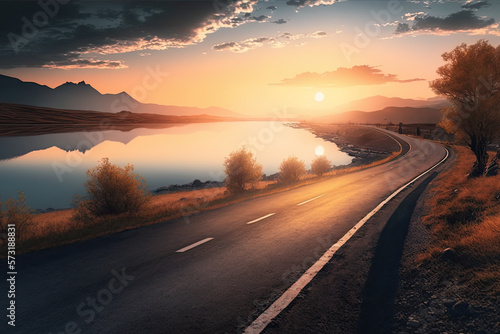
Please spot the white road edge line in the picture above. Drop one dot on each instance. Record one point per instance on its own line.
(397, 141)
(259, 219)
(312, 199)
(196, 244)
(259, 324)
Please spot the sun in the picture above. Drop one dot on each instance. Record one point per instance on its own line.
(319, 96)
(319, 150)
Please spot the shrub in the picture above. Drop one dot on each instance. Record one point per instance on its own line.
(18, 213)
(241, 169)
(112, 190)
(321, 165)
(291, 169)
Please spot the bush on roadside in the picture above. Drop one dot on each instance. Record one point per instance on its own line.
(16, 212)
(112, 190)
(291, 170)
(321, 165)
(241, 169)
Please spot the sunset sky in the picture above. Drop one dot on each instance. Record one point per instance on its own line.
(248, 56)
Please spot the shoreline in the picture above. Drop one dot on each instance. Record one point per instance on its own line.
(349, 139)
(57, 227)
(341, 135)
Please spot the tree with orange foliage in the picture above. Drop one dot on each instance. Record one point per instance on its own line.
(470, 80)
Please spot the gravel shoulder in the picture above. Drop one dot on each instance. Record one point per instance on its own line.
(428, 302)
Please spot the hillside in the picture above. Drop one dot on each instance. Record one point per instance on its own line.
(369, 104)
(82, 96)
(407, 115)
(379, 102)
(18, 119)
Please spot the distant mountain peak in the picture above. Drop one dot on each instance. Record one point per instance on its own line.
(81, 87)
(82, 96)
(124, 94)
(71, 83)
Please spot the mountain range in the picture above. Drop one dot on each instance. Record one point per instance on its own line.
(378, 102)
(82, 96)
(406, 115)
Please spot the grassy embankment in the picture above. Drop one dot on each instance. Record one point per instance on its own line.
(59, 227)
(465, 216)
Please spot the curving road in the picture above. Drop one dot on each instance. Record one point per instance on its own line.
(212, 273)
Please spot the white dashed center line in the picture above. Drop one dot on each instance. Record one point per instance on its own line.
(259, 219)
(312, 199)
(182, 250)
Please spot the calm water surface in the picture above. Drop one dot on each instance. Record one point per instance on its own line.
(50, 169)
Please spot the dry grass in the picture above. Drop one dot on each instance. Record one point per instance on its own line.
(465, 216)
(60, 227)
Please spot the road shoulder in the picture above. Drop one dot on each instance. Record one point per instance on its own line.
(335, 301)
(428, 303)
(355, 291)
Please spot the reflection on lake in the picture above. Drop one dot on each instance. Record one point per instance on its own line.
(50, 169)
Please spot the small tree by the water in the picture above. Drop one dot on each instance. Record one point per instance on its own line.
(242, 170)
(321, 165)
(113, 190)
(291, 170)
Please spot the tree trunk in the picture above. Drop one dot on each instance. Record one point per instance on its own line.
(493, 167)
(479, 167)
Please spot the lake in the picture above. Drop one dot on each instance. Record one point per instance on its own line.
(50, 169)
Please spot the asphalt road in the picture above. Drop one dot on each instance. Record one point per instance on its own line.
(212, 273)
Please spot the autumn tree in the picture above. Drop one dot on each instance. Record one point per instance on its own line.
(241, 169)
(291, 170)
(17, 213)
(470, 80)
(321, 165)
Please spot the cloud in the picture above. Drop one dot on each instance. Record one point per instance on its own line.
(427, 3)
(271, 8)
(86, 63)
(475, 5)
(411, 16)
(319, 34)
(232, 46)
(260, 18)
(464, 20)
(246, 45)
(310, 3)
(402, 28)
(254, 43)
(85, 30)
(343, 77)
(280, 21)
